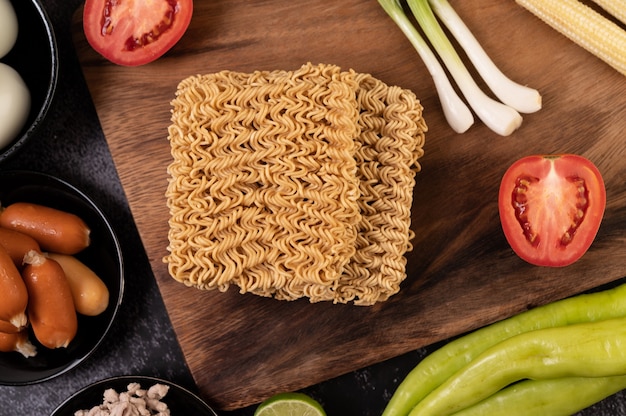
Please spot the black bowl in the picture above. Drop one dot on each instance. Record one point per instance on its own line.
(179, 400)
(35, 57)
(103, 256)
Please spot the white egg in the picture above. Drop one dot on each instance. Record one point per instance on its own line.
(14, 104)
(8, 27)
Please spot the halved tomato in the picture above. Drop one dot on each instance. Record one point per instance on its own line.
(135, 32)
(551, 207)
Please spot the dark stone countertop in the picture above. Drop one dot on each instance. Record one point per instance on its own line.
(71, 146)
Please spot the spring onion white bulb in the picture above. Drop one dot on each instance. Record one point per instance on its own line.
(499, 117)
(457, 114)
(520, 97)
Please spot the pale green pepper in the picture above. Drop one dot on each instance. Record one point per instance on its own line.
(596, 349)
(558, 397)
(444, 362)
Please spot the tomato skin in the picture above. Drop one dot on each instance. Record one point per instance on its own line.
(135, 32)
(551, 207)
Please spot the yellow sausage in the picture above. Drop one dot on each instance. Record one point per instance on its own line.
(54, 230)
(17, 244)
(17, 342)
(13, 292)
(51, 307)
(91, 295)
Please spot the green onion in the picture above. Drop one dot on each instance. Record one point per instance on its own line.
(457, 114)
(521, 98)
(499, 117)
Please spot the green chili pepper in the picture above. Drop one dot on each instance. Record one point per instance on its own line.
(442, 363)
(581, 350)
(559, 397)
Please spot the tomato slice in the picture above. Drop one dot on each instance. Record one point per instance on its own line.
(135, 32)
(551, 207)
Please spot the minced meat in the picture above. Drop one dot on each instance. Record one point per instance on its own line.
(133, 402)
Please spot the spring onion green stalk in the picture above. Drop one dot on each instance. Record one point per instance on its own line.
(499, 117)
(520, 97)
(457, 114)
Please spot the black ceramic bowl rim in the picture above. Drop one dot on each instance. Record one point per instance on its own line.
(68, 407)
(35, 121)
(37, 179)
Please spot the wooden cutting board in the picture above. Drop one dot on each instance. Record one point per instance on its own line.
(461, 273)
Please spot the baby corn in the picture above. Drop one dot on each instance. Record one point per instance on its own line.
(616, 8)
(584, 26)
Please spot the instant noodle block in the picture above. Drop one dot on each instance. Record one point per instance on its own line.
(292, 184)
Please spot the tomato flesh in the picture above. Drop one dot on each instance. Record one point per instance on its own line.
(551, 208)
(135, 32)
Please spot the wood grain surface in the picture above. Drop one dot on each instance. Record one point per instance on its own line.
(461, 273)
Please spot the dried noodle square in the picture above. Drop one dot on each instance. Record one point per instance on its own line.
(263, 189)
(391, 142)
